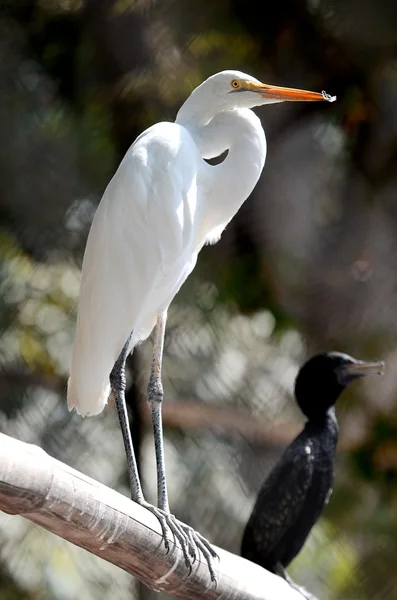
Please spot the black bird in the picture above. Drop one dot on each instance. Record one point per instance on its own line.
(299, 486)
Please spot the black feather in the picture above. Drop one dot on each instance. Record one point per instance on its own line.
(298, 487)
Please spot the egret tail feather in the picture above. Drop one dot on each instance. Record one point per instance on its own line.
(88, 405)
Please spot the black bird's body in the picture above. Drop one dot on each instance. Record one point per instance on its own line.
(299, 486)
(292, 497)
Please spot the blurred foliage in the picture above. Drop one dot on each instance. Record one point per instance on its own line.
(308, 264)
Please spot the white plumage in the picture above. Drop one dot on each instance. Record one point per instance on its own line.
(162, 205)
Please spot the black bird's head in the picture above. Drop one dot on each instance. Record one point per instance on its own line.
(323, 377)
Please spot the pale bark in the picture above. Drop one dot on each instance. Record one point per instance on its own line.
(104, 522)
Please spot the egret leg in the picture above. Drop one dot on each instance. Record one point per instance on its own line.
(279, 570)
(155, 399)
(190, 539)
(117, 380)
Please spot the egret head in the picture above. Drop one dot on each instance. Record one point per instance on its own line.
(322, 379)
(230, 90)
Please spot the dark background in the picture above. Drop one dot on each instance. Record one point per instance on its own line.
(308, 264)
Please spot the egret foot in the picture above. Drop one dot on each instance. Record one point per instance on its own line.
(190, 540)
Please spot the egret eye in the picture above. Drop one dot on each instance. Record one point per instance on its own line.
(235, 84)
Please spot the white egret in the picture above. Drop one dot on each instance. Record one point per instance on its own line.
(162, 205)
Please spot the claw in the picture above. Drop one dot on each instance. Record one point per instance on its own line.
(208, 546)
(163, 526)
(208, 557)
(193, 546)
(191, 541)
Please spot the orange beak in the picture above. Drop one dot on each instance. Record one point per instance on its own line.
(290, 94)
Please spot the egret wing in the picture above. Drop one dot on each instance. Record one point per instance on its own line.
(136, 253)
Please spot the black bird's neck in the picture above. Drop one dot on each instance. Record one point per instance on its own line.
(325, 423)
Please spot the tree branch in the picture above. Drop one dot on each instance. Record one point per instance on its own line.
(104, 522)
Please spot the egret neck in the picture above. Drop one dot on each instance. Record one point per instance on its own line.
(229, 183)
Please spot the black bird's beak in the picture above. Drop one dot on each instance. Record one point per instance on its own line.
(346, 373)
